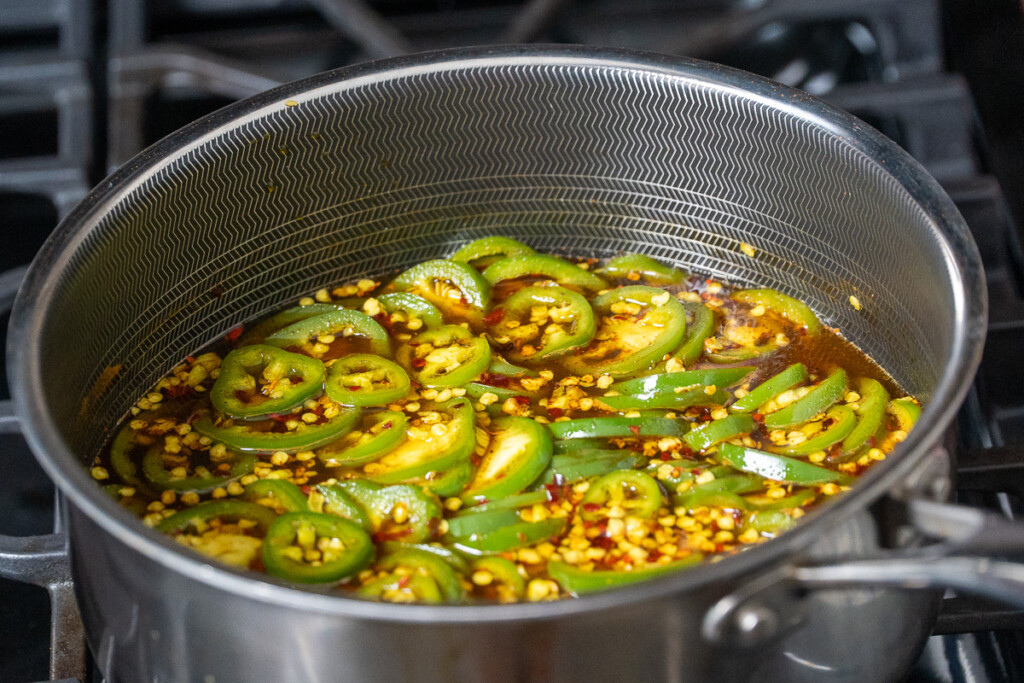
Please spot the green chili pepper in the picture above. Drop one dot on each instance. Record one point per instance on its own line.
(455, 357)
(842, 422)
(506, 581)
(774, 467)
(569, 323)
(769, 521)
(294, 534)
(672, 473)
(827, 392)
(426, 564)
(573, 444)
(796, 500)
(476, 291)
(870, 413)
(259, 380)
(199, 516)
(500, 366)
(791, 309)
(260, 331)
(518, 535)
(670, 381)
(627, 343)
(120, 457)
(433, 451)
(283, 494)
(475, 390)
(334, 323)
(364, 379)
(700, 324)
(572, 467)
(520, 500)
(484, 250)
(770, 388)
(624, 427)
(708, 434)
(448, 483)
(580, 582)
(455, 560)
(906, 411)
(727, 500)
(402, 588)
(412, 306)
(338, 502)
(653, 272)
(722, 491)
(273, 435)
(742, 353)
(551, 267)
(636, 492)
(666, 401)
(519, 450)
(419, 513)
(474, 522)
(384, 431)
(156, 473)
(731, 483)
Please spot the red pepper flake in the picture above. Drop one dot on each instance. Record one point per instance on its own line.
(635, 429)
(758, 417)
(522, 400)
(404, 581)
(591, 507)
(492, 379)
(494, 316)
(387, 425)
(654, 555)
(719, 547)
(555, 412)
(353, 387)
(234, 334)
(666, 456)
(603, 542)
(306, 489)
(419, 362)
(178, 391)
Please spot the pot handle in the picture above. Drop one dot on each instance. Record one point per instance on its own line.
(43, 560)
(972, 557)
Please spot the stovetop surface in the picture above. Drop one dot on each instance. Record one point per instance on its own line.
(945, 80)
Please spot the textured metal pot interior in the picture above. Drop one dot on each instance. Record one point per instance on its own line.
(368, 175)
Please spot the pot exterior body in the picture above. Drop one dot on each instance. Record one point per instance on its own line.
(146, 622)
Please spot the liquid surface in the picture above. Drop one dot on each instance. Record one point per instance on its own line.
(526, 431)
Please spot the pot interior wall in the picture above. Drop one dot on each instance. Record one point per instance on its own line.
(370, 175)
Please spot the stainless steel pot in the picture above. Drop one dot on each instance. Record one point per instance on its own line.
(370, 169)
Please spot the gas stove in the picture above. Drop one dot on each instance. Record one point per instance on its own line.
(85, 84)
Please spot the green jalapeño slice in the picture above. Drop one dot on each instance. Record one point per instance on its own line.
(259, 380)
(310, 547)
(281, 433)
(638, 326)
(541, 323)
(364, 379)
(449, 356)
(327, 329)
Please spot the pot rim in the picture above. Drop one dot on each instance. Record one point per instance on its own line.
(961, 259)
